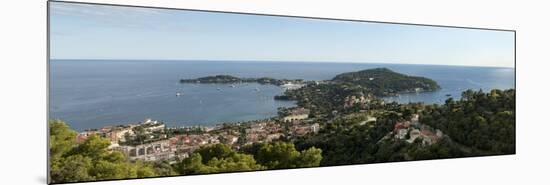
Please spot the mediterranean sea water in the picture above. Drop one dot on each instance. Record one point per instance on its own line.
(95, 93)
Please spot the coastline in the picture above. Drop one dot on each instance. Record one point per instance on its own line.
(164, 94)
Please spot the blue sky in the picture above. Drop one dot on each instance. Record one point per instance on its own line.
(80, 31)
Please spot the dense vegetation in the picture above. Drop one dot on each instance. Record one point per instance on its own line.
(383, 81)
(478, 124)
(221, 158)
(280, 155)
(483, 121)
(90, 160)
(344, 141)
(228, 79)
(321, 99)
(215, 159)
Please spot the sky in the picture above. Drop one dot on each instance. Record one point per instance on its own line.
(83, 31)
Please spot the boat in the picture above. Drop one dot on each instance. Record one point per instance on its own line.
(232, 86)
(178, 94)
(448, 95)
(218, 89)
(257, 89)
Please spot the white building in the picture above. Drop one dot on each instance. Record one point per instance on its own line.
(315, 128)
(297, 114)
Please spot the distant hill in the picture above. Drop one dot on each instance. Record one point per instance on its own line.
(228, 79)
(214, 79)
(386, 80)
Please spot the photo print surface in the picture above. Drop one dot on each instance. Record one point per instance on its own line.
(141, 92)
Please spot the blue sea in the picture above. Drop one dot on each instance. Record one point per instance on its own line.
(95, 93)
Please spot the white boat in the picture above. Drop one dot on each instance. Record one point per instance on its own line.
(178, 94)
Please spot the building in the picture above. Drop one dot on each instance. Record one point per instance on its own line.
(297, 114)
(401, 133)
(155, 127)
(292, 86)
(118, 135)
(83, 136)
(315, 128)
(160, 150)
(413, 134)
(272, 137)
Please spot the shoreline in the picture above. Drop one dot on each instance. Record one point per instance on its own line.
(217, 124)
(76, 114)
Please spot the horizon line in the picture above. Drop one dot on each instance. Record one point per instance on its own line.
(289, 61)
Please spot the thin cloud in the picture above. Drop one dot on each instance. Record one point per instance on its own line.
(116, 16)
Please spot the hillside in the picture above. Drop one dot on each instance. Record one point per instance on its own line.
(228, 79)
(387, 81)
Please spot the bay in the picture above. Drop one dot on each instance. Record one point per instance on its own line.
(95, 93)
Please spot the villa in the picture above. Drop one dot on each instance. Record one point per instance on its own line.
(297, 114)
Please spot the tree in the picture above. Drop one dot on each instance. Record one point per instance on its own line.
(94, 147)
(62, 138)
(233, 163)
(145, 170)
(309, 158)
(140, 133)
(278, 155)
(217, 150)
(163, 168)
(482, 121)
(72, 169)
(103, 169)
(89, 160)
(284, 155)
(191, 165)
(219, 158)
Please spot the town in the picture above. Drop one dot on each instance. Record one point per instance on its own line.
(152, 140)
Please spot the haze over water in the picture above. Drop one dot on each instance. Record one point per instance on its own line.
(96, 93)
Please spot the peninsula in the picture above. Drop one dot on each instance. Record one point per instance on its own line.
(323, 97)
(381, 80)
(228, 79)
(386, 80)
